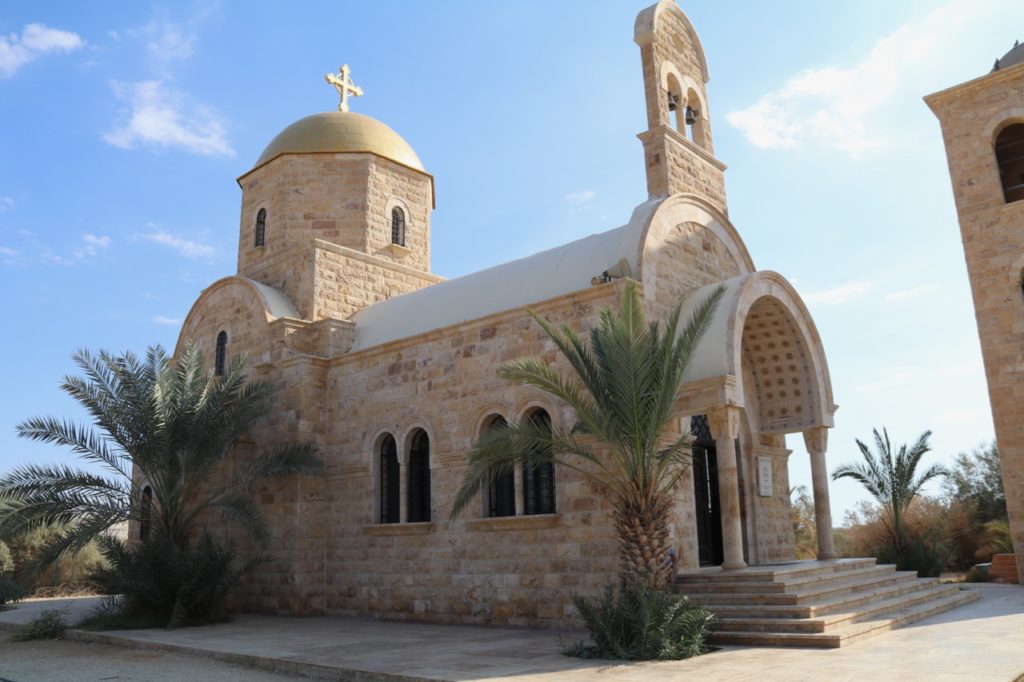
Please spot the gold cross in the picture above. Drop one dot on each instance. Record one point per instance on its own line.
(344, 86)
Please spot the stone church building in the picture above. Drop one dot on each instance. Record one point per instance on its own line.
(393, 369)
(983, 130)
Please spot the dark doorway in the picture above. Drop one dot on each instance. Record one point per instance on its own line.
(705, 488)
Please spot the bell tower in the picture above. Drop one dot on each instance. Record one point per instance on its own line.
(983, 129)
(678, 147)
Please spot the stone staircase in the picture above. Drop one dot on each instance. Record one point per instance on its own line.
(823, 604)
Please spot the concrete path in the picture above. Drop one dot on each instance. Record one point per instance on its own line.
(981, 641)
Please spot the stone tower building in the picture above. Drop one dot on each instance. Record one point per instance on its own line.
(983, 130)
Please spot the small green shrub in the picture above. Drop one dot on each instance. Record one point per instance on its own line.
(10, 591)
(171, 585)
(49, 624)
(978, 574)
(634, 622)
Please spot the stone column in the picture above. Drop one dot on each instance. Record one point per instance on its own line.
(403, 488)
(725, 424)
(518, 489)
(816, 440)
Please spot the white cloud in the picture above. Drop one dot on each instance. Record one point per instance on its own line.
(842, 107)
(160, 319)
(185, 247)
(5, 251)
(91, 246)
(162, 117)
(579, 197)
(837, 295)
(165, 41)
(35, 40)
(6, 204)
(913, 292)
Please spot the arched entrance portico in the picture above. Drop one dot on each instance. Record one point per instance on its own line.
(760, 374)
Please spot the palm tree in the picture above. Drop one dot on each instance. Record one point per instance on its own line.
(623, 390)
(168, 423)
(892, 482)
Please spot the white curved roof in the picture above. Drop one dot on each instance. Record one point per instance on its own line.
(277, 303)
(508, 286)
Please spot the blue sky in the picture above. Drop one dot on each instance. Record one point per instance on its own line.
(124, 126)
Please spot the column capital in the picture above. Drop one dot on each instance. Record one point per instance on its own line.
(816, 439)
(725, 421)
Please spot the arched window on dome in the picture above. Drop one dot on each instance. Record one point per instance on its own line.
(221, 355)
(1010, 157)
(418, 507)
(261, 227)
(501, 493)
(398, 226)
(389, 483)
(539, 481)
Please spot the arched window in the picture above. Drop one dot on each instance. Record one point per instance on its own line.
(389, 490)
(220, 357)
(1010, 157)
(145, 511)
(501, 493)
(676, 104)
(539, 481)
(261, 227)
(419, 478)
(398, 226)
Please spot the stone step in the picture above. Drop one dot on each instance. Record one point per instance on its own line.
(784, 583)
(809, 595)
(830, 622)
(838, 603)
(850, 631)
(772, 572)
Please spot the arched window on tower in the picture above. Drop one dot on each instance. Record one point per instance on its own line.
(145, 513)
(1010, 157)
(389, 483)
(539, 481)
(419, 478)
(398, 226)
(221, 356)
(676, 104)
(501, 493)
(261, 227)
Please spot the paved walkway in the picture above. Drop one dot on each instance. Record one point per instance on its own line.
(981, 641)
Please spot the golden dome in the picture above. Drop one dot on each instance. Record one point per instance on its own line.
(341, 131)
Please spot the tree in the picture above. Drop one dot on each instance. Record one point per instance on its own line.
(170, 424)
(805, 523)
(623, 389)
(893, 482)
(976, 478)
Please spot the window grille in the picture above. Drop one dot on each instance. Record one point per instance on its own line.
(398, 226)
(700, 429)
(261, 227)
(389, 483)
(220, 357)
(419, 478)
(501, 493)
(539, 481)
(1010, 157)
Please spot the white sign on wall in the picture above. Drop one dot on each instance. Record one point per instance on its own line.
(764, 476)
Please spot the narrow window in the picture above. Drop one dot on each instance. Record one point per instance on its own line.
(220, 357)
(539, 481)
(145, 512)
(389, 495)
(1010, 157)
(676, 105)
(501, 493)
(419, 478)
(261, 227)
(398, 226)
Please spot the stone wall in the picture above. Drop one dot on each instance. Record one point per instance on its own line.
(972, 114)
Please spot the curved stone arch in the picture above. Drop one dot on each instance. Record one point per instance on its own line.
(532, 401)
(999, 122)
(685, 208)
(1016, 276)
(371, 444)
(720, 353)
(265, 302)
(484, 412)
(646, 26)
(405, 441)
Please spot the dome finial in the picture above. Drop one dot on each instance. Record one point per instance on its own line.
(344, 86)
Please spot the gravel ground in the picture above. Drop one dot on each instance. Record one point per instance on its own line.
(63, 661)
